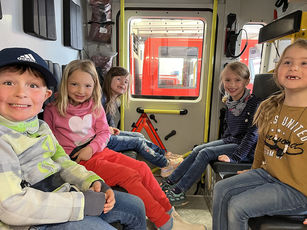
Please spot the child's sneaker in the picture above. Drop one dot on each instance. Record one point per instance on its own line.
(172, 165)
(176, 199)
(164, 185)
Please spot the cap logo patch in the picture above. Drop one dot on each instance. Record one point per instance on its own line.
(26, 57)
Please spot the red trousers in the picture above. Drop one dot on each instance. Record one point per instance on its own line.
(134, 176)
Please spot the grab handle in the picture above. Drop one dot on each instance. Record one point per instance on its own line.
(172, 133)
(165, 111)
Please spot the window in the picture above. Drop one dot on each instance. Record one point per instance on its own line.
(184, 62)
(252, 55)
(165, 57)
(276, 49)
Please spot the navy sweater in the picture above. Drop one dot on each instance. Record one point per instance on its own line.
(110, 119)
(241, 131)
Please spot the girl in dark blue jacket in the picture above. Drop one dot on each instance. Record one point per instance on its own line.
(236, 145)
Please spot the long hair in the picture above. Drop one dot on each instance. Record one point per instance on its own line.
(111, 102)
(270, 106)
(87, 66)
(239, 69)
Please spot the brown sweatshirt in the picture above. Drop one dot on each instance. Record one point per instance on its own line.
(289, 165)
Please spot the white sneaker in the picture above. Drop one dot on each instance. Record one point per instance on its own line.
(170, 155)
(172, 165)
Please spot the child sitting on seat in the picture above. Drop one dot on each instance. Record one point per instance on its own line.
(115, 84)
(40, 185)
(78, 121)
(237, 144)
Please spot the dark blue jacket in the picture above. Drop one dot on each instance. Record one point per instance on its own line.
(241, 131)
(110, 119)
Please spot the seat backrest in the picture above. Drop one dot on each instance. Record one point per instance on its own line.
(264, 86)
(57, 72)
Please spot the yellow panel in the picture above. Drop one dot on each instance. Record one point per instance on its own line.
(303, 30)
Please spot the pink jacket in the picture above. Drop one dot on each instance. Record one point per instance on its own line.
(78, 126)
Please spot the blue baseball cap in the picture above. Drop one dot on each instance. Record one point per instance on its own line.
(16, 55)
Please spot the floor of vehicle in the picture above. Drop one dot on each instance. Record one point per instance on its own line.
(196, 211)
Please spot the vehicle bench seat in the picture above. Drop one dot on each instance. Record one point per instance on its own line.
(277, 223)
(56, 70)
(228, 167)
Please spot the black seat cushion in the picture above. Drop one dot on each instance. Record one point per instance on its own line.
(277, 223)
(226, 167)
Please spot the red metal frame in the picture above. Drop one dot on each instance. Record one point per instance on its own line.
(144, 123)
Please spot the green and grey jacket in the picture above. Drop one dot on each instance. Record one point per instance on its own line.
(30, 153)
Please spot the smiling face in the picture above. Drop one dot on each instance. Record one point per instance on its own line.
(21, 95)
(292, 71)
(233, 84)
(80, 87)
(119, 85)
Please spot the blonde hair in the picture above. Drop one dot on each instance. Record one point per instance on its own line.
(268, 107)
(239, 69)
(62, 99)
(111, 102)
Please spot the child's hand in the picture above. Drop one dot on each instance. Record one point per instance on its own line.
(242, 171)
(110, 201)
(84, 154)
(96, 186)
(224, 158)
(116, 131)
(111, 130)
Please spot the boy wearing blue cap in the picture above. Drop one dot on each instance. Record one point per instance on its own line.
(40, 185)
